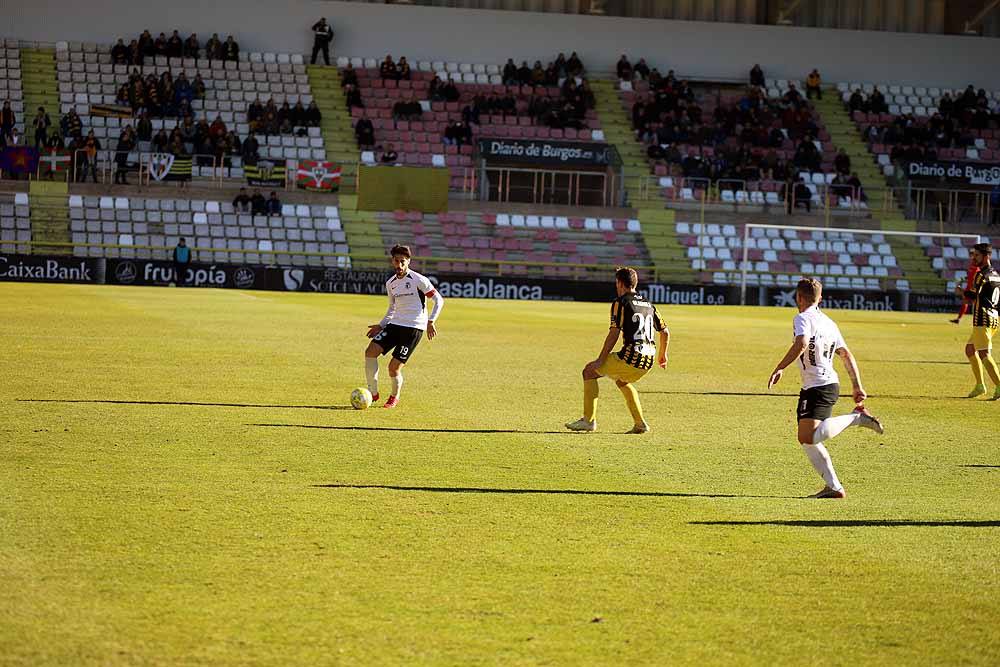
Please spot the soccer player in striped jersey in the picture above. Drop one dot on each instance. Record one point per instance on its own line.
(984, 296)
(816, 338)
(404, 323)
(633, 317)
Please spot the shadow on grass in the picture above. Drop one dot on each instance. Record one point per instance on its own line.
(403, 429)
(855, 523)
(771, 394)
(978, 465)
(559, 492)
(190, 403)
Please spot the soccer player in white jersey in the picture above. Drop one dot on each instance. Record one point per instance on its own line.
(816, 339)
(403, 325)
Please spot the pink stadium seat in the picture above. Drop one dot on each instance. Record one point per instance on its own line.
(576, 223)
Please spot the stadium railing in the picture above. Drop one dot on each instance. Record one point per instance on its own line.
(498, 183)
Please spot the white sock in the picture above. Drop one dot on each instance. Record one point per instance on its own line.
(833, 426)
(820, 460)
(397, 384)
(371, 372)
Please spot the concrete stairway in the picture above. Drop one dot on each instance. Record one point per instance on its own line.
(364, 238)
(915, 264)
(338, 135)
(41, 88)
(658, 225)
(50, 218)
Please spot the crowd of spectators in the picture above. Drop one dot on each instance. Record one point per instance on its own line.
(953, 124)
(268, 118)
(256, 204)
(743, 138)
(144, 48)
(551, 75)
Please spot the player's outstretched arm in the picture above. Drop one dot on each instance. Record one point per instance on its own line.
(852, 370)
(794, 352)
(435, 312)
(664, 344)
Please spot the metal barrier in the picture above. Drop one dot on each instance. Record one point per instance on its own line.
(545, 186)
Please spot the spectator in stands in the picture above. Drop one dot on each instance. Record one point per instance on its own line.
(471, 112)
(241, 203)
(119, 53)
(389, 155)
(857, 102)
(166, 94)
(813, 85)
(147, 47)
(312, 116)
(624, 68)
(757, 76)
(353, 97)
(524, 74)
(7, 122)
(41, 125)
(284, 116)
(126, 144)
(255, 112)
(202, 137)
(450, 91)
(143, 132)
(198, 87)
(435, 89)
(90, 147)
(183, 90)
(842, 163)
(160, 45)
(807, 157)
(408, 110)
(192, 47)
(387, 70)
(274, 204)
(230, 49)
(213, 47)
(217, 130)
(250, 149)
(322, 36)
(509, 75)
(574, 66)
(348, 76)
(876, 102)
(364, 131)
(857, 189)
(458, 133)
(298, 116)
(182, 260)
(792, 195)
(403, 70)
(641, 69)
(258, 205)
(161, 141)
(175, 46)
(71, 125)
(133, 56)
(122, 97)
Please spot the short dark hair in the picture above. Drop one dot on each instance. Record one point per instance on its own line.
(810, 289)
(983, 249)
(627, 276)
(401, 250)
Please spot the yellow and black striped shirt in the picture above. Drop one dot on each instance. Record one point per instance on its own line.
(985, 296)
(637, 319)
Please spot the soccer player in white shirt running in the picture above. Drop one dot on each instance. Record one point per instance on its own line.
(817, 338)
(403, 325)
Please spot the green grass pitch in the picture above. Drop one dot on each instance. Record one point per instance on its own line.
(182, 483)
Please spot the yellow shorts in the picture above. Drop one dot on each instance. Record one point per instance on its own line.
(982, 338)
(616, 369)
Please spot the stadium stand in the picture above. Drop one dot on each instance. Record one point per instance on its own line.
(475, 242)
(15, 223)
(11, 88)
(87, 78)
(214, 228)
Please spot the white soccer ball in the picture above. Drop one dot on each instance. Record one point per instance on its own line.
(361, 398)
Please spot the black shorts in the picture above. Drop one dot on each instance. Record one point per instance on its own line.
(818, 402)
(400, 340)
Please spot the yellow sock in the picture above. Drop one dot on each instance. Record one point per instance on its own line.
(632, 400)
(977, 368)
(590, 392)
(991, 368)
